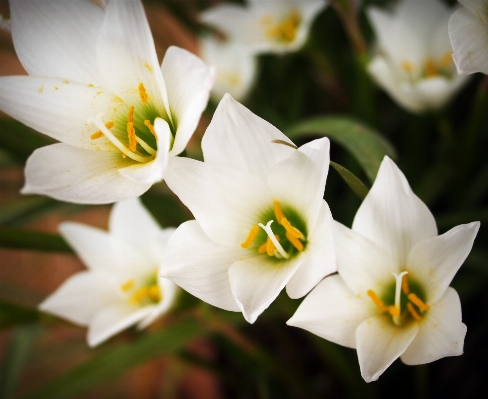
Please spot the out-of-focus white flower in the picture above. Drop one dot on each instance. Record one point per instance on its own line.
(391, 297)
(121, 286)
(261, 221)
(414, 57)
(235, 67)
(95, 85)
(266, 26)
(5, 24)
(468, 31)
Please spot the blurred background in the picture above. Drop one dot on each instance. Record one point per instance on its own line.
(443, 155)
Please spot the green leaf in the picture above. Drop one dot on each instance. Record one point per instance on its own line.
(352, 181)
(11, 315)
(366, 145)
(113, 362)
(11, 237)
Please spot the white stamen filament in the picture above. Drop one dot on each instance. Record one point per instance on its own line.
(146, 146)
(97, 121)
(398, 291)
(273, 239)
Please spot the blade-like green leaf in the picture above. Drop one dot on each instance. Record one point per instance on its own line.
(352, 181)
(366, 145)
(115, 361)
(11, 315)
(11, 237)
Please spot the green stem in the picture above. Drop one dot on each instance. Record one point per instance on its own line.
(34, 240)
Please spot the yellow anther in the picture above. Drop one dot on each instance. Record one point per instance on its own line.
(262, 248)
(286, 29)
(142, 93)
(278, 212)
(376, 300)
(127, 285)
(430, 68)
(294, 241)
(407, 66)
(99, 133)
(405, 287)
(131, 132)
(151, 128)
(413, 312)
(394, 311)
(270, 248)
(130, 115)
(293, 231)
(251, 237)
(154, 293)
(417, 301)
(446, 60)
(139, 295)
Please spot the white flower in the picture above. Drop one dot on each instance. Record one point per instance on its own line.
(5, 24)
(235, 67)
(95, 85)
(391, 297)
(468, 31)
(121, 286)
(266, 26)
(261, 221)
(414, 61)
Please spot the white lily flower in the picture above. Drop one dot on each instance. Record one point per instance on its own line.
(266, 26)
(261, 221)
(391, 297)
(121, 286)
(235, 67)
(468, 31)
(414, 60)
(95, 85)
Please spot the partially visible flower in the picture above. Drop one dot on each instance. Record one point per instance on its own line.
(235, 67)
(5, 24)
(95, 85)
(468, 31)
(391, 297)
(266, 26)
(122, 286)
(414, 57)
(261, 221)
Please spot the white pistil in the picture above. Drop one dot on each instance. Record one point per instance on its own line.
(273, 239)
(146, 146)
(97, 121)
(398, 291)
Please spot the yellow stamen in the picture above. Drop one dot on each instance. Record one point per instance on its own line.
(270, 248)
(151, 128)
(446, 60)
(154, 293)
(295, 241)
(138, 295)
(376, 299)
(278, 212)
(407, 66)
(251, 237)
(417, 301)
(142, 93)
(413, 312)
(130, 116)
(293, 231)
(262, 248)
(394, 311)
(127, 285)
(131, 131)
(405, 287)
(99, 133)
(430, 68)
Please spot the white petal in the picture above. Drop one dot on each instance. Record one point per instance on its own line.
(112, 320)
(257, 281)
(379, 343)
(80, 297)
(392, 216)
(225, 201)
(153, 171)
(237, 137)
(469, 34)
(361, 263)
(169, 292)
(331, 311)
(231, 19)
(441, 332)
(188, 82)
(59, 108)
(126, 53)
(436, 260)
(299, 180)
(77, 175)
(54, 38)
(319, 258)
(200, 266)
